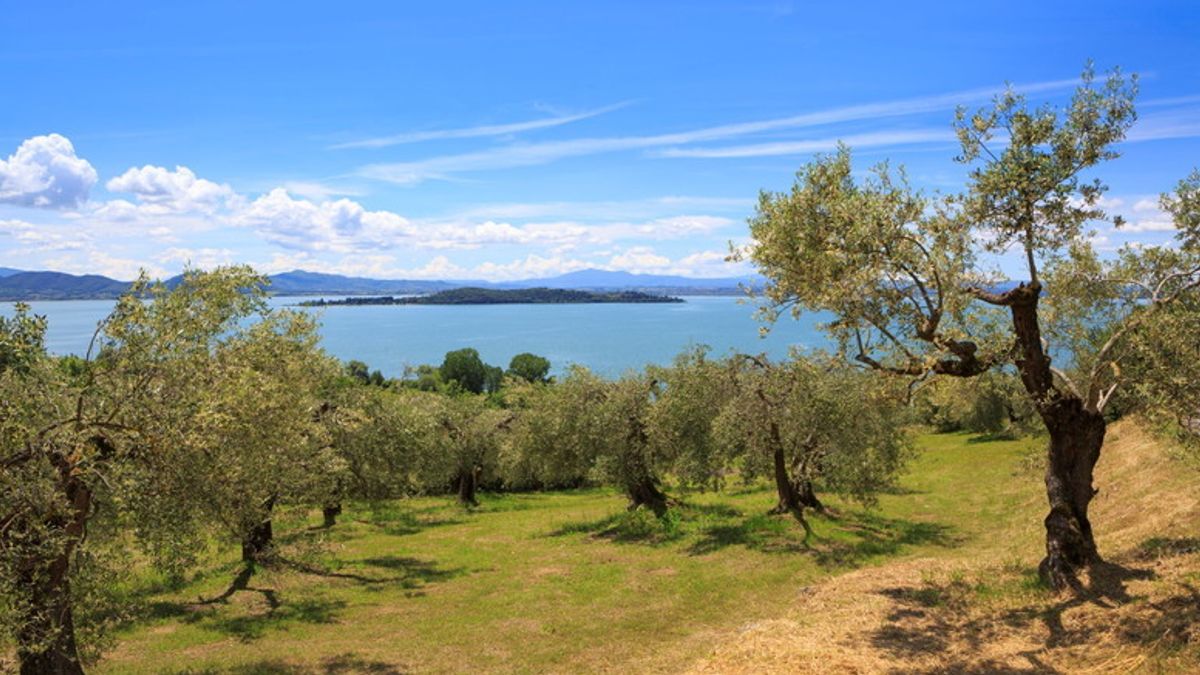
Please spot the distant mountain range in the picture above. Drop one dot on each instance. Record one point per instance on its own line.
(18, 285)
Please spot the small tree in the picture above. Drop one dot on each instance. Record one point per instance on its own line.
(689, 395)
(529, 367)
(803, 421)
(558, 433)
(466, 448)
(902, 275)
(464, 368)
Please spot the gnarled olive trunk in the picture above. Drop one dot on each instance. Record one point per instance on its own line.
(1076, 436)
(645, 492)
(468, 482)
(46, 637)
(803, 488)
(330, 512)
(790, 499)
(258, 542)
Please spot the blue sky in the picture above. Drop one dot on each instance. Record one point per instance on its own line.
(519, 139)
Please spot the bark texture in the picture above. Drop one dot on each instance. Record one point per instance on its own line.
(1076, 436)
(331, 513)
(46, 642)
(645, 492)
(468, 483)
(258, 542)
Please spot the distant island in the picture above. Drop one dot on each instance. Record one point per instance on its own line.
(492, 296)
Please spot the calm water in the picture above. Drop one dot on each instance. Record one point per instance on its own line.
(608, 338)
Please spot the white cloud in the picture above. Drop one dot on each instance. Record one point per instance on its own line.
(1146, 204)
(203, 258)
(640, 259)
(317, 190)
(37, 239)
(1150, 225)
(45, 172)
(178, 191)
(339, 226)
(628, 210)
(104, 263)
(474, 132)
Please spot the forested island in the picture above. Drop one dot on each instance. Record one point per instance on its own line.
(491, 296)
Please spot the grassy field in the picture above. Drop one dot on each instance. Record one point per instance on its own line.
(570, 582)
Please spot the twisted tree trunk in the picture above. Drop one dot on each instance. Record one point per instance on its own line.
(645, 492)
(330, 513)
(257, 544)
(46, 638)
(1076, 436)
(468, 480)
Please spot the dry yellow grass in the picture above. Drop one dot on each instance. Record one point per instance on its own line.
(1140, 612)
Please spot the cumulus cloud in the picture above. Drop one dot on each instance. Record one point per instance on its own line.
(175, 191)
(339, 226)
(45, 172)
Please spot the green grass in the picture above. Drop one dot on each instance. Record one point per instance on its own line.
(564, 581)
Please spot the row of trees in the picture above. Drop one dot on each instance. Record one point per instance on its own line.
(198, 415)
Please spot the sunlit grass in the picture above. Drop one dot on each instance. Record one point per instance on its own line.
(561, 581)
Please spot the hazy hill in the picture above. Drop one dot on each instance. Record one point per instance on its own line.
(58, 286)
(19, 285)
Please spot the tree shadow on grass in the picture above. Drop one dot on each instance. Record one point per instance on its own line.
(626, 527)
(936, 619)
(252, 627)
(404, 572)
(408, 574)
(864, 535)
(334, 665)
(761, 532)
(861, 536)
(642, 526)
(399, 522)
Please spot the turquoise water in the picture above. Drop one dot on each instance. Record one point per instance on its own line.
(608, 338)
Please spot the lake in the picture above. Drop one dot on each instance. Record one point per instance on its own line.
(608, 338)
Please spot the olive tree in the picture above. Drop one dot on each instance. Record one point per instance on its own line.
(465, 450)
(95, 451)
(907, 278)
(557, 434)
(261, 439)
(587, 426)
(688, 397)
(800, 421)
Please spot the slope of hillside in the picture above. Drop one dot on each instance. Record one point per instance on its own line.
(980, 608)
(58, 286)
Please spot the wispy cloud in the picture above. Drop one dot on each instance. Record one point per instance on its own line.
(529, 154)
(474, 132)
(882, 138)
(1181, 122)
